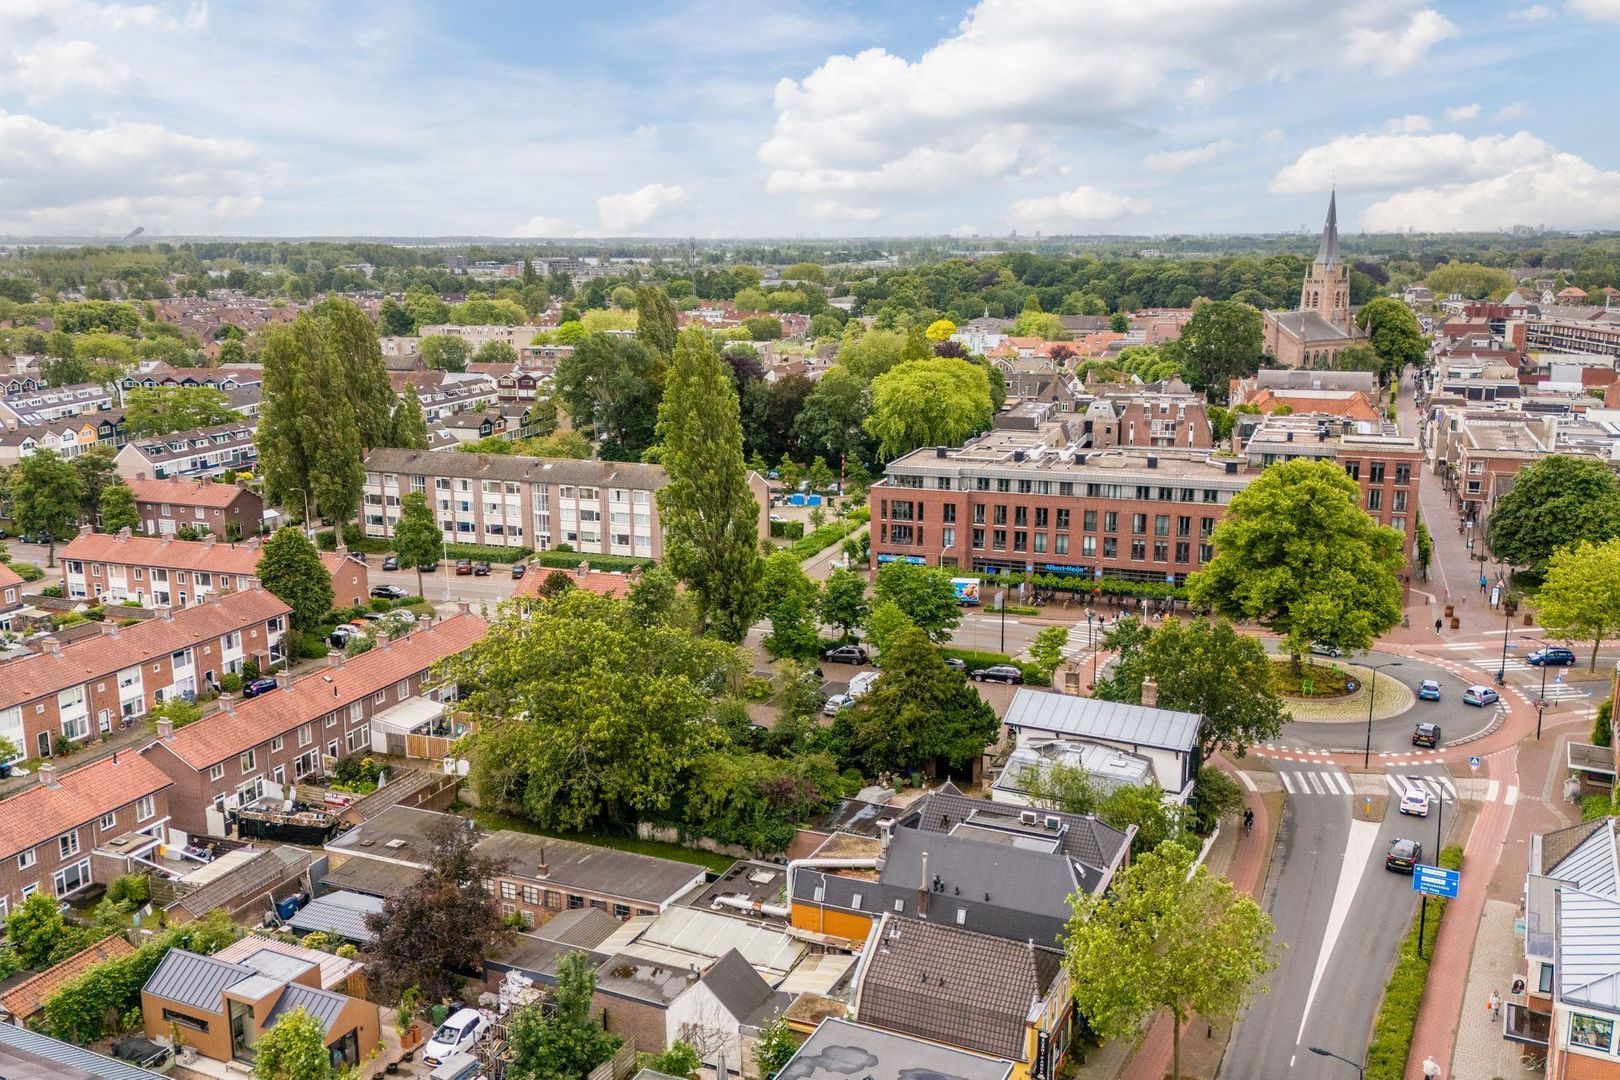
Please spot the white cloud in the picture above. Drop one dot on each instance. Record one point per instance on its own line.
(880, 129)
(544, 226)
(631, 210)
(1084, 205)
(1606, 10)
(1459, 113)
(1533, 13)
(125, 174)
(50, 68)
(1516, 111)
(1389, 162)
(1176, 160)
(1410, 124)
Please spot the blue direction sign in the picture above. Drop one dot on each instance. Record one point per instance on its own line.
(1473, 762)
(1436, 881)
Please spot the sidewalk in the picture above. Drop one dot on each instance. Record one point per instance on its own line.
(1498, 957)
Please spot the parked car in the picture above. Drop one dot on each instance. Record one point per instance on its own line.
(1403, 855)
(846, 654)
(1552, 656)
(955, 663)
(836, 704)
(387, 592)
(357, 555)
(391, 562)
(463, 567)
(1426, 735)
(428, 568)
(1429, 690)
(1415, 803)
(341, 635)
(1322, 648)
(518, 570)
(255, 687)
(460, 1032)
(481, 568)
(1004, 673)
(1481, 696)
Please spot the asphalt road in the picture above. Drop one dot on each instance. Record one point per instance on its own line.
(1339, 917)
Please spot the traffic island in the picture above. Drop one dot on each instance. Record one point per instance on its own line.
(1396, 1021)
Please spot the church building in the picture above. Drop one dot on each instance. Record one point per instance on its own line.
(1312, 336)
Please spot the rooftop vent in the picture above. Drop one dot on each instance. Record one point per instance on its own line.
(1152, 462)
(1231, 468)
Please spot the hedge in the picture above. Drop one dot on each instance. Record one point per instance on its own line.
(787, 530)
(1397, 1013)
(27, 571)
(481, 553)
(823, 538)
(1079, 583)
(1033, 675)
(569, 560)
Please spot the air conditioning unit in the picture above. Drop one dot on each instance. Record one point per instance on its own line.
(1027, 817)
(1054, 822)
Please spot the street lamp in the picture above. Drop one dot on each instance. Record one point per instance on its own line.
(1091, 643)
(1372, 690)
(1541, 701)
(1507, 622)
(1361, 1072)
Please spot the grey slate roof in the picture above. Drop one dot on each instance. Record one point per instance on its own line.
(324, 1005)
(28, 1055)
(1309, 326)
(537, 957)
(841, 1050)
(581, 928)
(1584, 853)
(737, 985)
(625, 474)
(954, 986)
(640, 979)
(1327, 252)
(372, 877)
(1588, 950)
(340, 913)
(593, 869)
(195, 980)
(258, 874)
(1092, 842)
(1107, 721)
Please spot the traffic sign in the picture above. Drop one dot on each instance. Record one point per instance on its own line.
(1473, 762)
(1436, 881)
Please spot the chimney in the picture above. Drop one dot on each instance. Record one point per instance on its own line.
(463, 607)
(47, 775)
(383, 640)
(165, 729)
(542, 867)
(1150, 692)
(208, 539)
(582, 569)
(124, 533)
(168, 614)
(140, 476)
(337, 659)
(53, 646)
(922, 889)
(109, 629)
(164, 542)
(885, 831)
(229, 704)
(84, 530)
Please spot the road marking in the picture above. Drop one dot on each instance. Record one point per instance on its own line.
(1288, 781)
(1357, 847)
(1512, 795)
(1248, 781)
(1491, 788)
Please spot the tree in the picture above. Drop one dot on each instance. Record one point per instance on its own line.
(919, 711)
(1298, 553)
(1471, 281)
(940, 330)
(96, 471)
(757, 800)
(832, 421)
(45, 493)
(1394, 333)
(38, 934)
(872, 353)
(1359, 357)
(1220, 342)
(883, 623)
(709, 515)
(163, 410)
(569, 1043)
(843, 600)
(1143, 811)
(775, 1047)
(232, 352)
(443, 922)
(445, 352)
(417, 539)
(1555, 501)
(928, 403)
(69, 370)
(1162, 939)
(1060, 786)
(610, 384)
(1580, 598)
(679, 1060)
(118, 509)
(655, 598)
(923, 593)
(293, 1048)
(591, 709)
(789, 601)
(291, 568)
(1119, 323)
(408, 427)
(496, 352)
(1047, 649)
(393, 320)
(656, 324)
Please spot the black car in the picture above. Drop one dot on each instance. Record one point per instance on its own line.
(255, 687)
(998, 673)
(481, 569)
(846, 654)
(391, 562)
(1403, 855)
(387, 592)
(1426, 735)
(1552, 656)
(518, 570)
(428, 568)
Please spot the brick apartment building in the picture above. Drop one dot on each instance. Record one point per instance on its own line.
(253, 748)
(200, 452)
(166, 505)
(82, 690)
(92, 824)
(597, 507)
(160, 571)
(11, 593)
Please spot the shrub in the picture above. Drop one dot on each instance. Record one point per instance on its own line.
(1602, 724)
(29, 572)
(568, 560)
(54, 591)
(135, 889)
(482, 553)
(230, 682)
(825, 537)
(789, 530)
(1397, 1015)
(311, 645)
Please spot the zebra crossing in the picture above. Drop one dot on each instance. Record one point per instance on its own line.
(1435, 787)
(1335, 781)
(1316, 782)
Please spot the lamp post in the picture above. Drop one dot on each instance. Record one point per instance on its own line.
(1091, 643)
(1372, 690)
(1507, 622)
(1541, 699)
(1360, 1071)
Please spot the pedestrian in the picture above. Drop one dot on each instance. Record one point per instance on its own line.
(1494, 1005)
(1437, 626)
(1431, 1069)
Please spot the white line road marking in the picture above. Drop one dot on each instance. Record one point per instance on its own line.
(1248, 781)
(1357, 847)
(1512, 795)
(1288, 781)
(1491, 788)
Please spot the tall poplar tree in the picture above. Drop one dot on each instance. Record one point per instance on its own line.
(710, 518)
(656, 325)
(409, 428)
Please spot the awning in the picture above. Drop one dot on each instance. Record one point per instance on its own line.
(405, 717)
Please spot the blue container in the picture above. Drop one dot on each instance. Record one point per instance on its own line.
(812, 500)
(795, 499)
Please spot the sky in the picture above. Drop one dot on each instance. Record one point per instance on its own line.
(803, 118)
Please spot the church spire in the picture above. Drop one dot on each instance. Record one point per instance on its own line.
(1328, 253)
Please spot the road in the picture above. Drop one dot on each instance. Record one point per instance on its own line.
(1339, 918)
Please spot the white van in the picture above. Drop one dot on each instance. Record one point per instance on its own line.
(861, 682)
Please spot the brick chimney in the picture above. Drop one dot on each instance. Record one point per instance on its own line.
(583, 569)
(228, 704)
(124, 534)
(464, 607)
(164, 542)
(165, 730)
(383, 640)
(208, 539)
(110, 629)
(84, 530)
(140, 476)
(1150, 692)
(47, 775)
(52, 646)
(922, 890)
(542, 867)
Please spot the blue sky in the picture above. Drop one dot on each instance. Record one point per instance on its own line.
(835, 118)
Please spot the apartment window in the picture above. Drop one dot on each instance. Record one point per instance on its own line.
(1088, 545)
(1183, 551)
(947, 513)
(1403, 474)
(1354, 469)
(947, 538)
(1001, 515)
(305, 735)
(1398, 523)
(1375, 472)
(1060, 544)
(1020, 540)
(1110, 547)
(379, 697)
(1041, 515)
(108, 822)
(509, 890)
(1183, 526)
(247, 761)
(978, 514)
(1003, 485)
(978, 539)
(26, 859)
(1138, 550)
(981, 483)
(1161, 525)
(70, 879)
(531, 895)
(217, 772)
(145, 807)
(1089, 520)
(1139, 524)
(1161, 551)
(1040, 543)
(1399, 503)
(1110, 521)
(1021, 516)
(1375, 499)
(998, 541)
(67, 845)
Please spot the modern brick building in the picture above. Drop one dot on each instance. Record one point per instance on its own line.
(160, 571)
(74, 828)
(257, 747)
(166, 505)
(597, 507)
(84, 689)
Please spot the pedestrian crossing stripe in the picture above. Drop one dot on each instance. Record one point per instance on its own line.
(1312, 782)
(1435, 787)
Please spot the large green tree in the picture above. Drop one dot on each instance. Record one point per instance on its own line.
(709, 515)
(163, 410)
(1165, 937)
(1580, 599)
(1220, 342)
(45, 492)
(923, 593)
(1469, 280)
(1394, 333)
(118, 509)
(1297, 553)
(611, 384)
(919, 711)
(928, 403)
(656, 325)
(407, 429)
(566, 1041)
(417, 539)
(446, 352)
(291, 568)
(96, 471)
(294, 1048)
(843, 600)
(1555, 501)
(789, 599)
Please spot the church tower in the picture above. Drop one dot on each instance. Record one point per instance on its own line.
(1327, 285)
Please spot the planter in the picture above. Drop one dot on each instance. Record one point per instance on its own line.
(1455, 622)
(1529, 620)
(1450, 610)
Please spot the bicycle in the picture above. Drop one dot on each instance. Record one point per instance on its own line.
(1533, 1062)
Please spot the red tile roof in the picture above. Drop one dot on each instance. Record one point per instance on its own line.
(29, 677)
(8, 576)
(79, 797)
(28, 997)
(207, 556)
(186, 492)
(223, 735)
(601, 582)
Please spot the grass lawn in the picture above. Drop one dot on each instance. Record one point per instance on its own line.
(490, 819)
(1312, 680)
